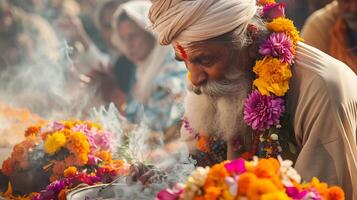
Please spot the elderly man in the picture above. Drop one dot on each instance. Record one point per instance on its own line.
(220, 41)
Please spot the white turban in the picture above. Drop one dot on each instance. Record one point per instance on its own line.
(187, 21)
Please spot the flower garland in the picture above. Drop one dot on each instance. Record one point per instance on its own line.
(265, 109)
(258, 179)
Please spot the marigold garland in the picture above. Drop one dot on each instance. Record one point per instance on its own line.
(257, 179)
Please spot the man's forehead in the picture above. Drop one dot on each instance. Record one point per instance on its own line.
(198, 48)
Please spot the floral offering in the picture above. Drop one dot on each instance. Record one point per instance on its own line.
(265, 179)
(51, 149)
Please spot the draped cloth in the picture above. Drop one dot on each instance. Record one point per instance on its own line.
(186, 21)
(322, 103)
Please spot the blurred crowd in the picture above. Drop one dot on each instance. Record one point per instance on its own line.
(114, 53)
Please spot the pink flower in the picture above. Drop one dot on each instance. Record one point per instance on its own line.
(236, 166)
(272, 11)
(295, 194)
(92, 160)
(278, 45)
(261, 112)
(168, 194)
(58, 126)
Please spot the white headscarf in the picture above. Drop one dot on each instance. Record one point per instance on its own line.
(186, 21)
(138, 10)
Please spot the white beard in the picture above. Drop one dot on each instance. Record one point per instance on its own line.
(220, 116)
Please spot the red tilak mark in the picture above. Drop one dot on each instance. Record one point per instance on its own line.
(182, 51)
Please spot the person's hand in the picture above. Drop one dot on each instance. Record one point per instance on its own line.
(146, 174)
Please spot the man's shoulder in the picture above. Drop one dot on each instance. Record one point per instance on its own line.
(326, 74)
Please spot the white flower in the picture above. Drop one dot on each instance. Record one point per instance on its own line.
(274, 137)
(288, 172)
(232, 184)
(195, 182)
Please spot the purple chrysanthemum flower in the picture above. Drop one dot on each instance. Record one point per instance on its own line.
(261, 112)
(278, 45)
(57, 186)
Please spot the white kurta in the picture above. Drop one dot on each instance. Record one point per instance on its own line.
(322, 101)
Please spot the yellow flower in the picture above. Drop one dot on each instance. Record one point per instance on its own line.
(70, 171)
(273, 76)
(54, 142)
(275, 196)
(261, 187)
(285, 25)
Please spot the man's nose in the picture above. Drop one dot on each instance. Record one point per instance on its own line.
(197, 76)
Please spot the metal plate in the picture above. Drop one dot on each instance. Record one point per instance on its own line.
(114, 192)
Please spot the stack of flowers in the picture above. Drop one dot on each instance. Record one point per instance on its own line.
(266, 179)
(73, 179)
(57, 146)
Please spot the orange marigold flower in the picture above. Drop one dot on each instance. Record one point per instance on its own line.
(216, 175)
(261, 187)
(81, 159)
(273, 76)
(77, 143)
(32, 130)
(70, 171)
(266, 168)
(203, 143)
(266, 2)
(244, 182)
(212, 193)
(322, 188)
(335, 193)
(106, 156)
(285, 25)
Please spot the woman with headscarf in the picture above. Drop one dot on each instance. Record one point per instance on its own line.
(156, 98)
